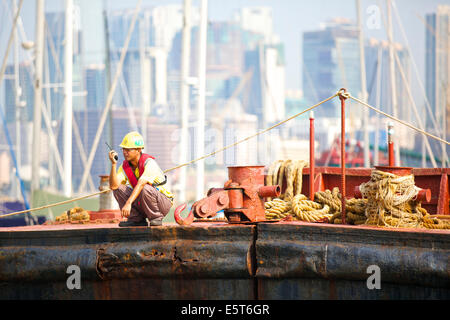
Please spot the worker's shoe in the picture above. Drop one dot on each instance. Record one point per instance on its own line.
(156, 222)
(129, 223)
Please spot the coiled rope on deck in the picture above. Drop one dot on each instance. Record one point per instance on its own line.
(388, 201)
(292, 204)
(391, 202)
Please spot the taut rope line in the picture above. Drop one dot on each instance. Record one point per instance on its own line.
(254, 135)
(398, 120)
(55, 204)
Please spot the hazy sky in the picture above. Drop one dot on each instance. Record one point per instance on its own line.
(291, 18)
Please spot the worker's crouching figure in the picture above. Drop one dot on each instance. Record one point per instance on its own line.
(138, 185)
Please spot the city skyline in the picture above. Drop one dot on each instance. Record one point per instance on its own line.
(286, 22)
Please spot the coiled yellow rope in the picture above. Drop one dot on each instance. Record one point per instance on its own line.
(390, 203)
(388, 200)
(289, 170)
(292, 204)
(298, 208)
(74, 215)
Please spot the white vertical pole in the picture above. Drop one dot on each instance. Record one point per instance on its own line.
(378, 99)
(392, 76)
(17, 95)
(264, 103)
(109, 98)
(184, 95)
(446, 94)
(144, 76)
(363, 86)
(201, 98)
(68, 67)
(37, 113)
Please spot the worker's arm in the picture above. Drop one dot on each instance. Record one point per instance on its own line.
(113, 180)
(136, 192)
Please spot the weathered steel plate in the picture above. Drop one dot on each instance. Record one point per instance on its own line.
(208, 258)
(288, 254)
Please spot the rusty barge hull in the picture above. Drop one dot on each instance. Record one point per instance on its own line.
(285, 260)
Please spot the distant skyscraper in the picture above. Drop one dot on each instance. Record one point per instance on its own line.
(377, 59)
(266, 92)
(226, 44)
(152, 39)
(95, 86)
(257, 20)
(330, 62)
(165, 22)
(26, 93)
(54, 62)
(88, 124)
(119, 22)
(92, 26)
(437, 67)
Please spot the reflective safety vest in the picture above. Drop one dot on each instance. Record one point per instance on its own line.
(129, 170)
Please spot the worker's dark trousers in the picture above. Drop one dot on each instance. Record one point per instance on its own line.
(150, 203)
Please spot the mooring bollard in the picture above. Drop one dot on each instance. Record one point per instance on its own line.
(106, 201)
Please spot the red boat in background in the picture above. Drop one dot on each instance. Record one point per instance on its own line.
(354, 155)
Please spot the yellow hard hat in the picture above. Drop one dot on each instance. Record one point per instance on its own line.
(132, 140)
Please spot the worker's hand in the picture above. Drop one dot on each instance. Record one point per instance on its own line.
(113, 154)
(126, 210)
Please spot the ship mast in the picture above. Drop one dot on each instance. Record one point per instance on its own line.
(184, 94)
(201, 98)
(37, 113)
(68, 67)
(392, 74)
(17, 94)
(363, 86)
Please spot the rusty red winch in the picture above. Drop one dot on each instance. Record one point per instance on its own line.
(241, 198)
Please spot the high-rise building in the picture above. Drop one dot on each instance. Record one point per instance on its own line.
(94, 76)
(165, 22)
(379, 86)
(53, 74)
(225, 62)
(23, 98)
(330, 62)
(150, 43)
(437, 66)
(257, 20)
(87, 122)
(266, 92)
(89, 17)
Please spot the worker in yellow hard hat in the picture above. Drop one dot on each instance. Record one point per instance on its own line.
(138, 185)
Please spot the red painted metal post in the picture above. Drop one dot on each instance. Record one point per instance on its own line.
(269, 191)
(311, 156)
(391, 144)
(342, 98)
